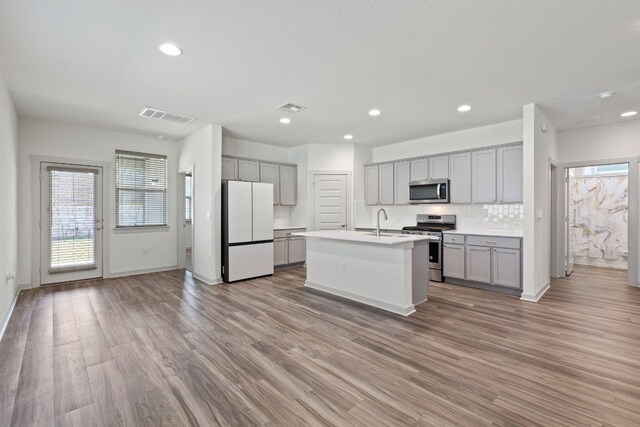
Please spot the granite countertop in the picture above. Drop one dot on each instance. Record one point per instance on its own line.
(363, 237)
(486, 232)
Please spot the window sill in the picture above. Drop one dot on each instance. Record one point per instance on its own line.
(149, 229)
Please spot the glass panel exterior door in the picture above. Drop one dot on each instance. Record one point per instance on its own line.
(71, 223)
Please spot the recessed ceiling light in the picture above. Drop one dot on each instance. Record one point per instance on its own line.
(170, 49)
(628, 113)
(606, 95)
(374, 112)
(285, 120)
(464, 108)
(347, 136)
(162, 137)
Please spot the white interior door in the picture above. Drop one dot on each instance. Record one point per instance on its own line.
(71, 222)
(569, 220)
(330, 202)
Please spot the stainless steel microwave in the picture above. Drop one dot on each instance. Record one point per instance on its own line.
(429, 191)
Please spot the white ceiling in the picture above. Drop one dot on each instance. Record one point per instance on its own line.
(97, 63)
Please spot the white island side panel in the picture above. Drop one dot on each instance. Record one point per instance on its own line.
(378, 275)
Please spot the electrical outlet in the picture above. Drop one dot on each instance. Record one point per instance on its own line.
(144, 251)
(341, 267)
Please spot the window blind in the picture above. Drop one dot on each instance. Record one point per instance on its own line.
(72, 218)
(141, 189)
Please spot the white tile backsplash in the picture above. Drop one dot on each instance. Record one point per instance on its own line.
(495, 217)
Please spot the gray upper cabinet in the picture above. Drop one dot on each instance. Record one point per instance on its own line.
(419, 169)
(506, 267)
(439, 167)
(483, 172)
(401, 183)
(478, 264)
(386, 184)
(269, 173)
(453, 260)
(460, 176)
(509, 180)
(288, 185)
(229, 169)
(248, 170)
(371, 181)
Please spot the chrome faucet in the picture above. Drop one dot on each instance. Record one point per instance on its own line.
(385, 217)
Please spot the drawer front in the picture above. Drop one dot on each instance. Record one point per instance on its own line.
(287, 233)
(458, 239)
(499, 242)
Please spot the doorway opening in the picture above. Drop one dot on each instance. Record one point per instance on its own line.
(186, 216)
(597, 216)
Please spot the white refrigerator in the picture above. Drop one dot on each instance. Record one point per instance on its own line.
(247, 230)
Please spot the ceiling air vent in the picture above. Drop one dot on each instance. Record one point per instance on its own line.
(290, 108)
(587, 121)
(154, 113)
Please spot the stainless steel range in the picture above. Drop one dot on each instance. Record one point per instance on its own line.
(433, 225)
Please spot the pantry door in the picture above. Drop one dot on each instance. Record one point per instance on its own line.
(71, 222)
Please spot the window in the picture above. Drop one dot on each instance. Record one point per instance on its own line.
(141, 189)
(188, 198)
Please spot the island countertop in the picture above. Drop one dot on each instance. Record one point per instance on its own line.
(363, 237)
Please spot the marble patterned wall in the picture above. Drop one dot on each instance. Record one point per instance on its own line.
(600, 214)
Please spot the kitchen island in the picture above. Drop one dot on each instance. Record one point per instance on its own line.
(390, 272)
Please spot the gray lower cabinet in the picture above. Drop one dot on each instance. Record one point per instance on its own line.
(505, 267)
(478, 264)
(288, 249)
(229, 169)
(453, 260)
(248, 170)
(489, 260)
(297, 250)
(280, 247)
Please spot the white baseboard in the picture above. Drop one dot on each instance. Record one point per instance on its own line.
(536, 298)
(403, 311)
(7, 316)
(206, 280)
(143, 271)
(25, 286)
